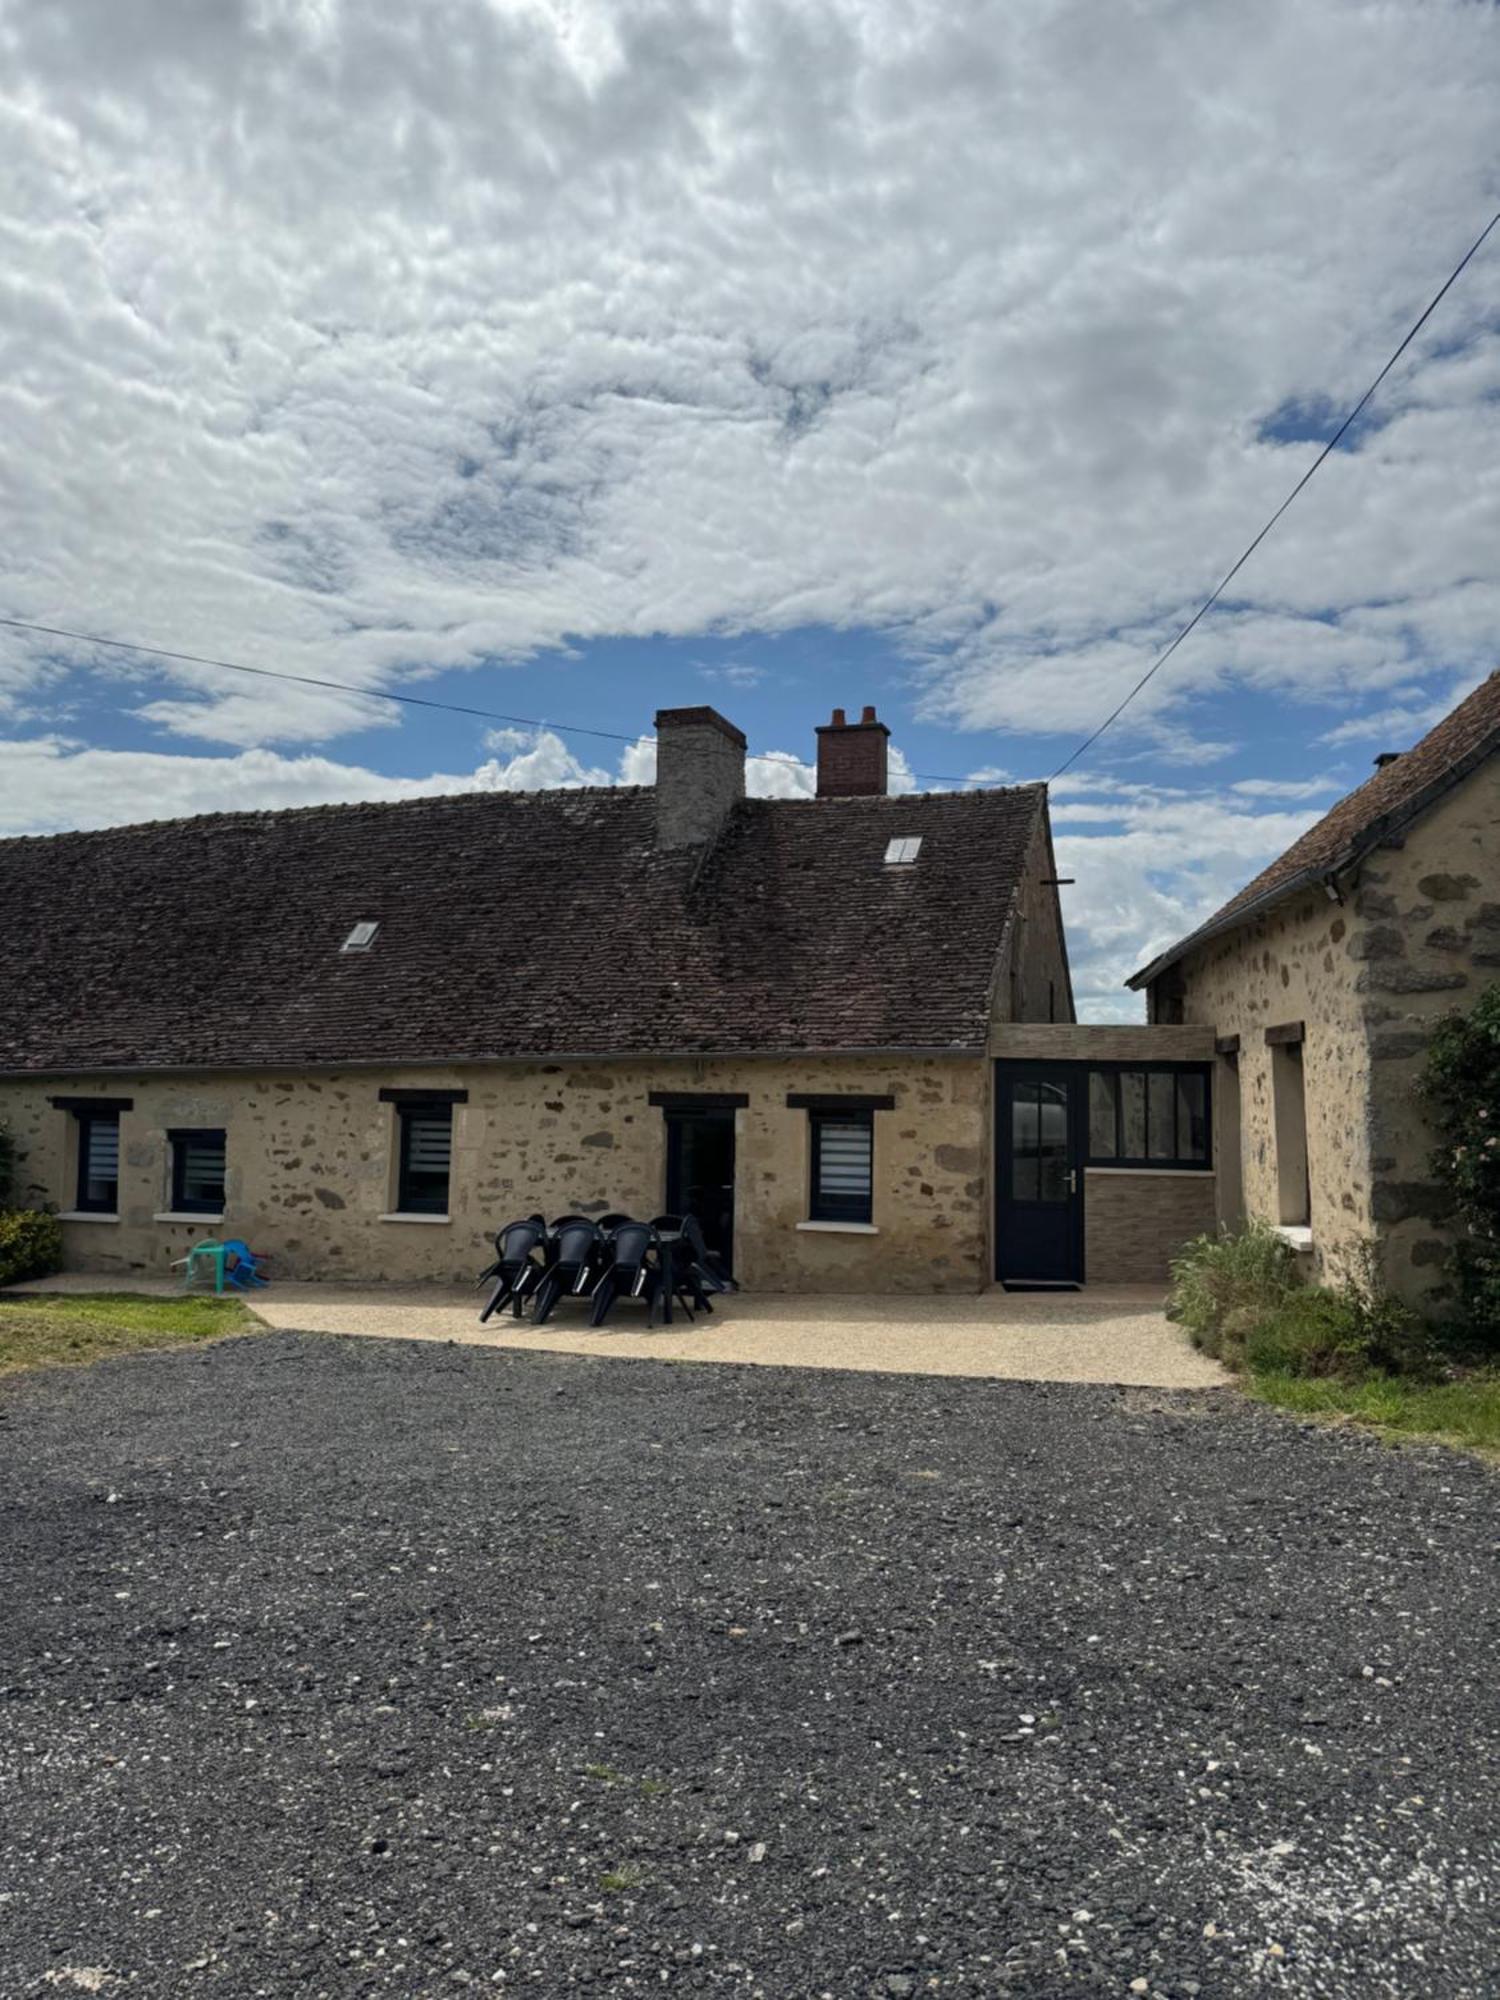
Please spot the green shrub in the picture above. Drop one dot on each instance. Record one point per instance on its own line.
(1462, 1088)
(30, 1245)
(1313, 1332)
(1341, 1330)
(1224, 1285)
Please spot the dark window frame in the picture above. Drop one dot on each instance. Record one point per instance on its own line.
(823, 1206)
(178, 1140)
(83, 1202)
(412, 1199)
(1174, 1162)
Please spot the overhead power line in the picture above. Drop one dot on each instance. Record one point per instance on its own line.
(1233, 571)
(780, 757)
(408, 700)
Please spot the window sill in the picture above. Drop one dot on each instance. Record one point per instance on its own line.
(842, 1228)
(1159, 1173)
(407, 1215)
(187, 1215)
(85, 1215)
(1297, 1234)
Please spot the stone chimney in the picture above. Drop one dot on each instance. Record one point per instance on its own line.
(851, 757)
(700, 774)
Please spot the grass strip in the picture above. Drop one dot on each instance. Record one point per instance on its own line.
(66, 1330)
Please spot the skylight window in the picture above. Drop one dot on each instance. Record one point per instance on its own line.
(360, 938)
(901, 853)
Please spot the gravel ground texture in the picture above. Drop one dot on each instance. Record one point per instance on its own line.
(348, 1667)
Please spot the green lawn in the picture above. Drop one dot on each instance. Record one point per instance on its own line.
(1465, 1411)
(64, 1330)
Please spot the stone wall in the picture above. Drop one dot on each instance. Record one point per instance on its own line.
(1430, 944)
(1294, 965)
(1418, 933)
(311, 1166)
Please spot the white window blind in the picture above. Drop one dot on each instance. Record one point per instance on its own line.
(103, 1149)
(429, 1143)
(843, 1161)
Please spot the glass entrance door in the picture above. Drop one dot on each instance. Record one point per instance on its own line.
(1039, 1175)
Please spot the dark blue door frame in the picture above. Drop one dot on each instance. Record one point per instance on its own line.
(1041, 1122)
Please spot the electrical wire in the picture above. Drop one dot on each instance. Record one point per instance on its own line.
(778, 757)
(1231, 573)
(407, 700)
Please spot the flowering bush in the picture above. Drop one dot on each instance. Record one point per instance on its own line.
(1462, 1087)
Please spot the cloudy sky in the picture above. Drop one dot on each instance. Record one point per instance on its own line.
(569, 358)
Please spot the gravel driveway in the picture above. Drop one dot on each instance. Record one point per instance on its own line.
(342, 1667)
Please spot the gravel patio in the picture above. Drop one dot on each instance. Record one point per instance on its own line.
(1106, 1333)
(337, 1667)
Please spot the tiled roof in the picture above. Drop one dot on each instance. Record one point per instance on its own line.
(1396, 793)
(511, 925)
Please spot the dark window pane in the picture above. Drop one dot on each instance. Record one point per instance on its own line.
(426, 1154)
(1052, 1184)
(198, 1172)
(1161, 1130)
(1192, 1118)
(1103, 1098)
(1025, 1139)
(1025, 1117)
(1133, 1115)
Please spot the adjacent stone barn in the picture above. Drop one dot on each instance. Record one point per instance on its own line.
(1321, 982)
(364, 1037)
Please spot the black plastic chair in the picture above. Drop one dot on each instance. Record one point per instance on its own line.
(695, 1270)
(574, 1255)
(517, 1268)
(632, 1268)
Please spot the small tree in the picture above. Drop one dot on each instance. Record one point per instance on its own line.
(7, 1167)
(1462, 1087)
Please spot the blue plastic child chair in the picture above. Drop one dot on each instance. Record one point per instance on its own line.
(245, 1270)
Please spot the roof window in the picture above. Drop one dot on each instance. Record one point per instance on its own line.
(360, 938)
(901, 853)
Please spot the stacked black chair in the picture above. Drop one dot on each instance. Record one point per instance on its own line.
(632, 1268)
(518, 1265)
(575, 1253)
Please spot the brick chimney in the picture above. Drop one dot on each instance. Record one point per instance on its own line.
(851, 757)
(700, 774)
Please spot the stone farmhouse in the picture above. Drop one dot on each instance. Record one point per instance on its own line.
(839, 1029)
(1321, 982)
(364, 1037)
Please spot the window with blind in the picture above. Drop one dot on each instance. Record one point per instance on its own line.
(843, 1163)
(98, 1162)
(426, 1158)
(1149, 1115)
(197, 1172)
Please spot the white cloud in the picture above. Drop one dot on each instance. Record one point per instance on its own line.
(1287, 788)
(49, 784)
(1400, 726)
(365, 341)
(736, 675)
